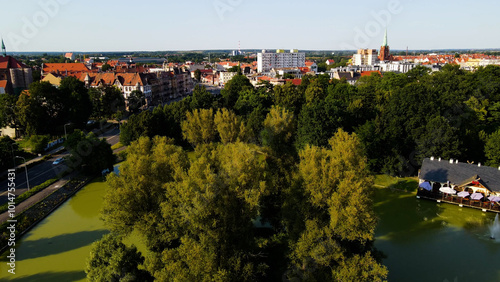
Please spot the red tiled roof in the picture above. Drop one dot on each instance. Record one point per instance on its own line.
(63, 67)
(295, 81)
(368, 73)
(265, 78)
(109, 78)
(3, 83)
(10, 63)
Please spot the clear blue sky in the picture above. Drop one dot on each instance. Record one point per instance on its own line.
(151, 25)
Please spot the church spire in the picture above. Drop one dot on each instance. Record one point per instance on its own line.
(385, 39)
(4, 51)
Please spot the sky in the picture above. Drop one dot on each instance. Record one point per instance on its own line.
(153, 25)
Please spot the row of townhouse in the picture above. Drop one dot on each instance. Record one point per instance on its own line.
(159, 85)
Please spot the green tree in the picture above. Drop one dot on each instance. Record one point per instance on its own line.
(106, 101)
(106, 67)
(136, 101)
(89, 152)
(315, 92)
(78, 104)
(8, 149)
(230, 127)
(134, 202)
(492, 149)
(43, 111)
(195, 216)
(199, 127)
(439, 139)
(197, 75)
(289, 97)
(232, 89)
(111, 260)
(210, 216)
(201, 98)
(7, 110)
(338, 214)
(279, 129)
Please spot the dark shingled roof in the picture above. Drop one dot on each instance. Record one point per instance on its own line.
(458, 174)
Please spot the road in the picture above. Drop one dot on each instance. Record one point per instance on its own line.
(46, 170)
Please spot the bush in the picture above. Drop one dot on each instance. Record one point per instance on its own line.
(38, 143)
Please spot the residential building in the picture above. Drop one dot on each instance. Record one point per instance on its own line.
(70, 56)
(281, 59)
(63, 68)
(330, 62)
(275, 72)
(365, 57)
(224, 77)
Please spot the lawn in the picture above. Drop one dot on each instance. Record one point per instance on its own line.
(408, 184)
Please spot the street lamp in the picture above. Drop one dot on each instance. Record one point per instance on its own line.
(26, 169)
(66, 135)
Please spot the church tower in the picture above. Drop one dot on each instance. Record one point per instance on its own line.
(384, 50)
(4, 51)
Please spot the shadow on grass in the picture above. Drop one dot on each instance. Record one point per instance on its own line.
(408, 185)
(53, 276)
(60, 244)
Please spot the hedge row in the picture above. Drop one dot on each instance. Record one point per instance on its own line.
(27, 194)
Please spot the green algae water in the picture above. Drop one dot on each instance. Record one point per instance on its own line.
(427, 241)
(57, 248)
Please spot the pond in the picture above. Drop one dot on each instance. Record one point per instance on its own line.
(427, 241)
(57, 248)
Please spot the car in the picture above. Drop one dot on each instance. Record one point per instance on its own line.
(58, 161)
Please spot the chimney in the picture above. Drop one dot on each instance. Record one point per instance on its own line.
(451, 161)
(479, 164)
(439, 159)
(432, 158)
(456, 161)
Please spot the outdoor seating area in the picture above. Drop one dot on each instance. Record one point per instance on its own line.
(464, 184)
(478, 200)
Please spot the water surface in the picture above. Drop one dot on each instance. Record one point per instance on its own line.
(427, 241)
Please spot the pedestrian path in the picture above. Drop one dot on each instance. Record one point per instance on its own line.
(26, 204)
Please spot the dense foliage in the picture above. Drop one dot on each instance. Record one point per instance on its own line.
(279, 183)
(45, 109)
(400, 118)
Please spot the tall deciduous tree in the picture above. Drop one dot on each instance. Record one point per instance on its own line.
(7, 110)
(111, 260)
(492, 149)
(338, 214)
(135, 101)
(232, 89)
(42, 110)
(229, 126)
(78, 100)
(89, 152)
(279, 128)
(199, 127)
